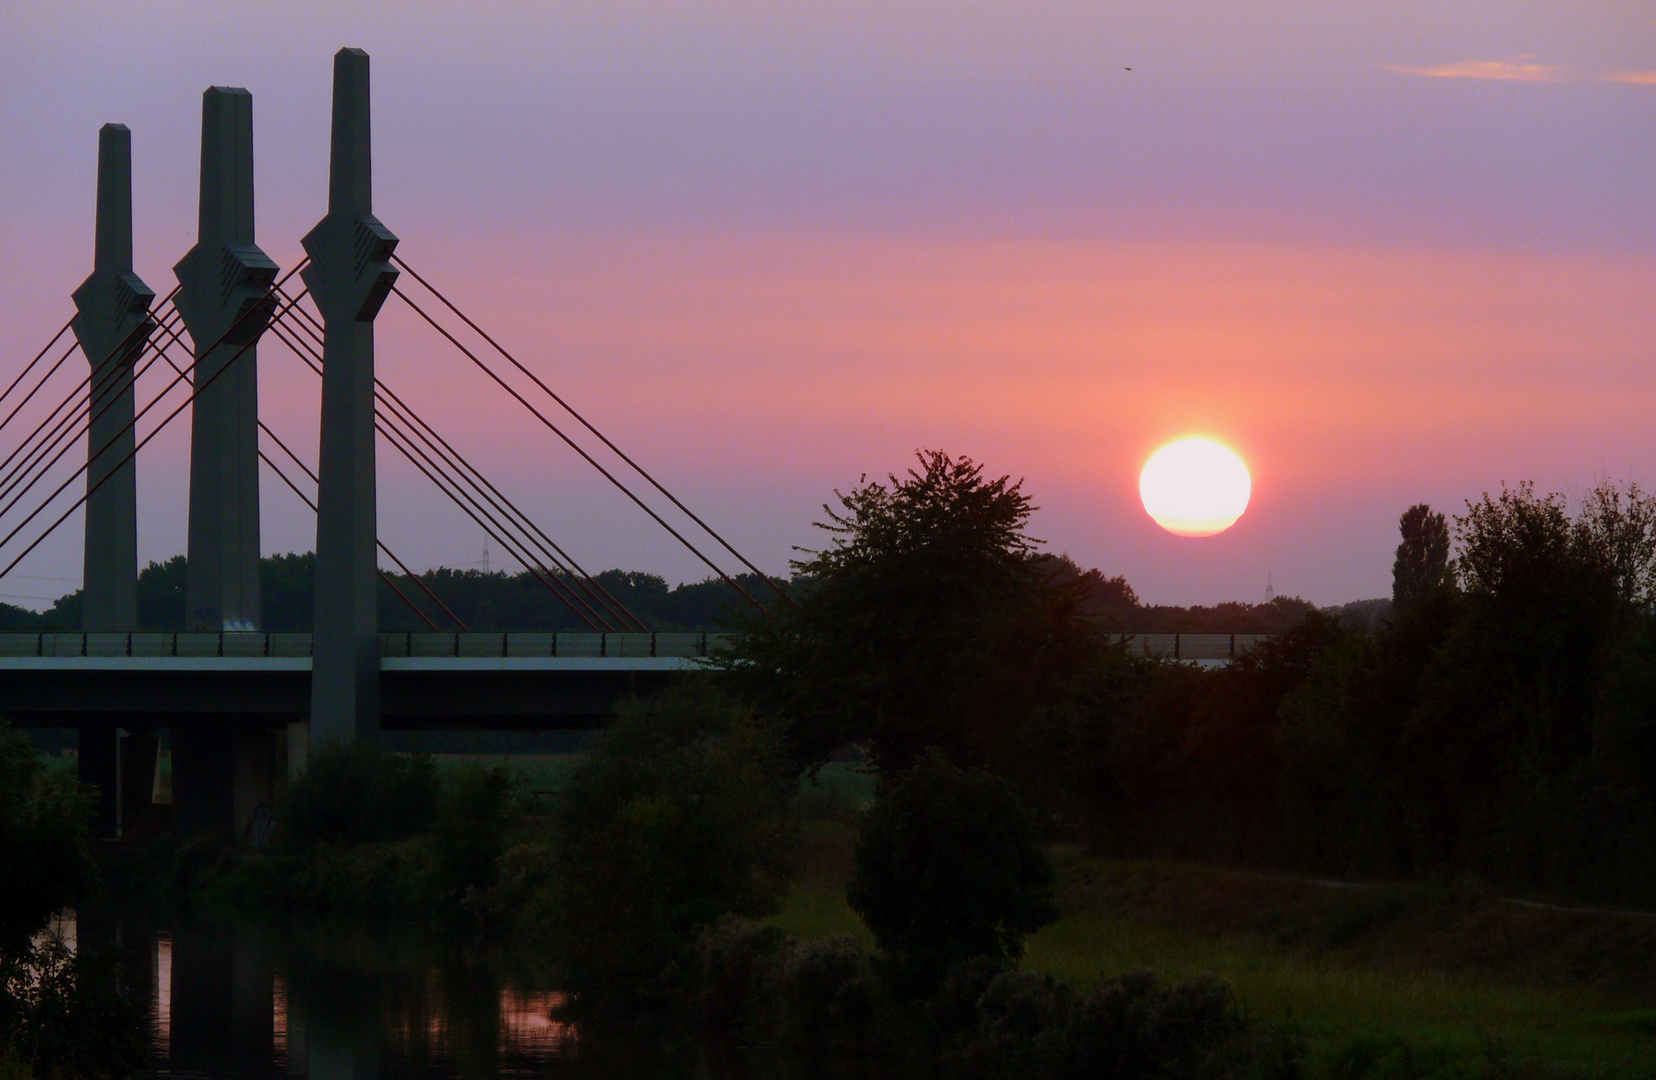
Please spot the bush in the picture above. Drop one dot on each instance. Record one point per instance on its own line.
(65, 1015)
(355, 793)
(474, 823)
(1130, 1027)
(680, 817)
(43, 843)
(740, 980)
(949, 865)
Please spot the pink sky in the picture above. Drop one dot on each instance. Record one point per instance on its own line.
(1394, 256)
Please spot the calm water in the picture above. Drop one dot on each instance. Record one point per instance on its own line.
(233, 998)
(237, 998)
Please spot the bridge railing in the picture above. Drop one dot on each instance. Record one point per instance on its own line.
(1191, 646)
(480, 645)
(573, 643)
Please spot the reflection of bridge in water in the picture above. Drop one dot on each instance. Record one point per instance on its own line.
(229, 999)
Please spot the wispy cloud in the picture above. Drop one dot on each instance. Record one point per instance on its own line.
(1518, 69)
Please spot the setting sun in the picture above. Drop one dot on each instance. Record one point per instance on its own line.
(1195, 487)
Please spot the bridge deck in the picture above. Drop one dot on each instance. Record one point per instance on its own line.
(427, 680)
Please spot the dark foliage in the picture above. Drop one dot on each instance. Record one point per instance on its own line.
(67, 1014)
(949, 865)
(929, 621)
(60, 1013)
(738, 980)
(679, 818)
(474, 822)
(1422, 562)
(43, 843)
(353, 793)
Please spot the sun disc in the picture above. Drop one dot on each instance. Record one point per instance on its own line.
(1195, 487)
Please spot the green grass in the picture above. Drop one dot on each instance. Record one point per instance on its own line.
(1339, 1004)
(534, 772)
(1359, 1016)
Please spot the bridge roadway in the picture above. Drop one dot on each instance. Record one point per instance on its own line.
(238, 704)
(491, 681)
(428, 680)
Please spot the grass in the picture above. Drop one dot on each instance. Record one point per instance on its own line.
(534, 772)
(1377, 982)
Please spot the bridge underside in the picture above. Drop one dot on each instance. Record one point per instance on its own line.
(504, 693)
(239, 727)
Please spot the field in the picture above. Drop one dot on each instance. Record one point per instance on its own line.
(1377, 981)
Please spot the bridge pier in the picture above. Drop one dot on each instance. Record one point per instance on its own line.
(98, 766)
(113, 325)
(349, 276)
(139, 755)
(224, 770)
(203, 767)
(225, 302)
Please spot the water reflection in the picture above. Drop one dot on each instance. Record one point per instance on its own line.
(327, 1002)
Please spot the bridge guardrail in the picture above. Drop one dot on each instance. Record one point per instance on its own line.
(1183, 646)
(482, 645)
(471, 644)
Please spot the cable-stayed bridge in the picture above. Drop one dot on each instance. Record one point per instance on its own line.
(244, 707)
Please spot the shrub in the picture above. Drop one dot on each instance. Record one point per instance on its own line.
(474, 823)
(43, 843)
(738, 978)
(1134, 1025)
(949, 865)
(65, 1014)
(680, 817)
(354, 793)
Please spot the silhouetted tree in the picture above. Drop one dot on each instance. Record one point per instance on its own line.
(680, 818)
(1423, 556)
(949, 865)
(929, 621)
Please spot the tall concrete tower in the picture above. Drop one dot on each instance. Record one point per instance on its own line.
(112, 324)
(226, 305)
(350, 275)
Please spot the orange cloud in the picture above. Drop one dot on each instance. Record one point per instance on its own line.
(1518, 69)
(1633, 78)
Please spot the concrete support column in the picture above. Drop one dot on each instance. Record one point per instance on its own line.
(298, 748)
(225, 302)
(112, 324)
(203, 771)
(254, 753)
(99, 767)
(138, 754)
(350, 276)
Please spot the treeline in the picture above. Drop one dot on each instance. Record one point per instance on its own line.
(1499, 723)
(1499, 727)
(484, 601)
(499, 601)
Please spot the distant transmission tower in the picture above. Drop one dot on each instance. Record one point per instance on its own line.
(1270, 591)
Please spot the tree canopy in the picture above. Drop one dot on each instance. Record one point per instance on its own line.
(929, 620)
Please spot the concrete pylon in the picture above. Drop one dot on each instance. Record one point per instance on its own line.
(112, 324)
(349, 275)
(226, 304)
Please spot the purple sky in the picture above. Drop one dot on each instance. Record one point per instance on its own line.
(1389, 255)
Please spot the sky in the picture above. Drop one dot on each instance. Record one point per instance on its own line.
(1389, 253)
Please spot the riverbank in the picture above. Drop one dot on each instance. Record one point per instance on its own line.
(1377, 980)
